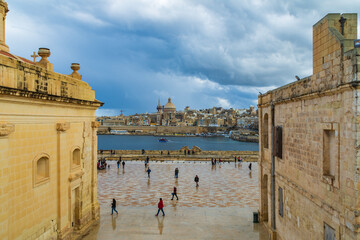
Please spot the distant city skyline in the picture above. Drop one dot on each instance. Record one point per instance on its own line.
(201, 54)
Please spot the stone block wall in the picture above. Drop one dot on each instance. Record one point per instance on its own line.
(307, 110)
(44, 211)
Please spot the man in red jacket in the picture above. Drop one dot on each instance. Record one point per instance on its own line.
(160, 206)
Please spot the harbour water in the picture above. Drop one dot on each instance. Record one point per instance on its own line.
(126, 142)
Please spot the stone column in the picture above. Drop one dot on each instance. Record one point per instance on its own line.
(3, 10)
(94, 202)
(62, 179)
(5, 130)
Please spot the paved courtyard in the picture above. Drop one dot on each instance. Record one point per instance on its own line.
(220, 208)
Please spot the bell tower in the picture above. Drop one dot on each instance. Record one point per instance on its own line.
(3, 11)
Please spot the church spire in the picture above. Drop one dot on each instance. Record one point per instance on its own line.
(159, 108)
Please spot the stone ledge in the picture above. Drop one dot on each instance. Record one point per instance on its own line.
(45, 96)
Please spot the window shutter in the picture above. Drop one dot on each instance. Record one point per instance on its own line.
(281, 202)
(277, 141)
(329, 232)
(274, 141)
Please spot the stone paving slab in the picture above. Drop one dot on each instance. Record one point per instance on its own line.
(220, 208)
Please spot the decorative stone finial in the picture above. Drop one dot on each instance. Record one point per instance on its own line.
(75, 67)
(44, 53)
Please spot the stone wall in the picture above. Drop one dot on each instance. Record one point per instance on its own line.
(47, 190)
(306, 109)
(249, 156)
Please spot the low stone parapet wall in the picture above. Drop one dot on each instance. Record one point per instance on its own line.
(249, 156)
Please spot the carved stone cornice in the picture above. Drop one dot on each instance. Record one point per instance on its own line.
(45, 96)
(95, 124)
(62, 127)
(6, 129)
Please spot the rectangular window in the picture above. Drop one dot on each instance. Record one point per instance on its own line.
(281, 202)
(329, 153)
(329, 232)
(277, 142)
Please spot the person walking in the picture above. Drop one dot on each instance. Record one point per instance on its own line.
(176, 172)
(160, 207)
(113, 207)
(118, 163)
(123, 164)
(196, 179)
(174, 194)
(250, 166)
(148, 171)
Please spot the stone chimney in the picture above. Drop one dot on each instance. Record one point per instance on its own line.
(332, 33)
(3, 10)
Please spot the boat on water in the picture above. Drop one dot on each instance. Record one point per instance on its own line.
(163, 140)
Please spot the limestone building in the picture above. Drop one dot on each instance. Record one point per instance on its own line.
(166, 114)
(48, 148)
(310, 142)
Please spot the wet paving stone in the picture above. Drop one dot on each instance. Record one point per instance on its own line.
(220, 208)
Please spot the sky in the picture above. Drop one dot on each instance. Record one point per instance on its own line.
(200, 53)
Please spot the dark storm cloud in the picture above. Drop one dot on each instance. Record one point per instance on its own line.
(201, 53)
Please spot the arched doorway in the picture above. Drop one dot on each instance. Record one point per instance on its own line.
(264, 199)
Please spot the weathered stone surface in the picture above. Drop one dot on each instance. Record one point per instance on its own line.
(47, 168)
(308, 110)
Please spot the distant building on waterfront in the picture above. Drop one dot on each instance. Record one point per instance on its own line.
(48, 148)
(309, 150)
(167, 115)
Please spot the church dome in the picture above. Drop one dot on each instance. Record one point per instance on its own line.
(170, 106)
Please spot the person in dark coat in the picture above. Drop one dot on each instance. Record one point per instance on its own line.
(113, 207)
(196, 179)
(174, 194)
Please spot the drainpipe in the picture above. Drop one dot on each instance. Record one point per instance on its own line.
(273, 224)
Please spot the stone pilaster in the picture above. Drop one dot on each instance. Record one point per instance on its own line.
(5, 130)
(3, 11)
(63, 162)
(95, 204)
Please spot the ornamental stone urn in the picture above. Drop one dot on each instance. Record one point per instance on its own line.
(75, 67)
(44, 53)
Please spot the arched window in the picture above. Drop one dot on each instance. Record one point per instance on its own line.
(265, 131)
(41, 170)
(76, 157)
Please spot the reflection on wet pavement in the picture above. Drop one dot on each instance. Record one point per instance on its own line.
(220, 186)
(220, 208)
